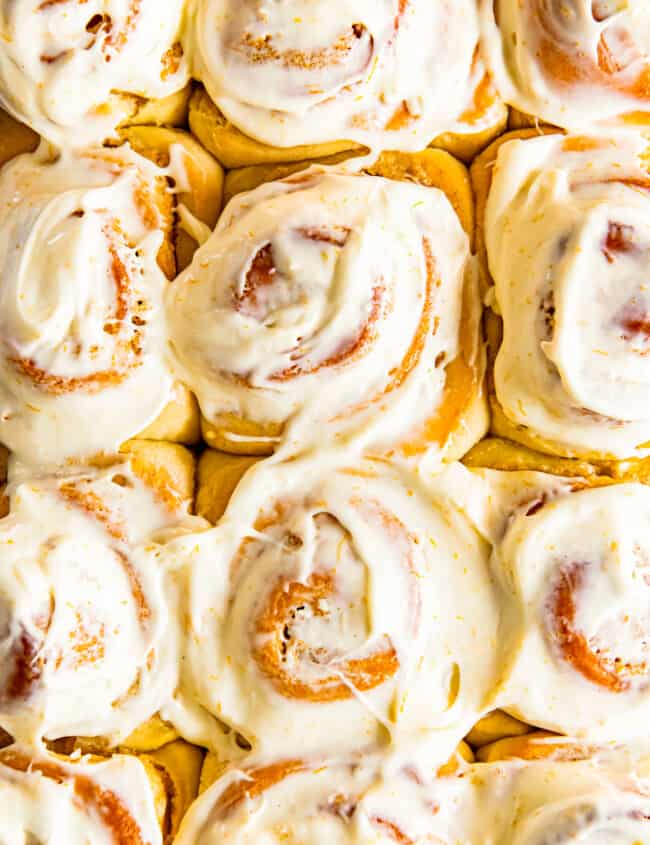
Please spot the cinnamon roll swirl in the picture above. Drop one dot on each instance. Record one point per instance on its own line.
(74, 69)
(539, 803)
(390, 74)
(329, 302)
(82, 329)
(572, 555)
(568, 248)
(328, 610)
(341, 803)
(46, 798)
(559, 803)
(574, 63)
(88, 641)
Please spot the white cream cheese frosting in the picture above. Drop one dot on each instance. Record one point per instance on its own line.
(555, 803)
(358, 802)
(332, 610)
(44, 799)
(572, 561)
(578, 567)
(573, 63)
(88, 641)
(62, 61)
(351, 802)
(82, 325)
(386, 73)
(568, 244)
(332, 302)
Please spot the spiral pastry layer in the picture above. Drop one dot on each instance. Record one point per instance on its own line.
(568, 245)
(338, 302)
(542, 803)
(47, 799)
(328, 611)
(87, 643)
(82, 327)
(573, 63)
(574, 561)
(339, 803)
(63, 61)
(548, 803)
(390, 74)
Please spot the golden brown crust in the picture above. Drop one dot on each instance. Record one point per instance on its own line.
(179, 421)
(152, 735)
(234, 149)
(15, 138)
(247, 178)
(508, 455)
(167, 111)
(537, 745)
(501, 453)
(218, 475)
(212, 769)
(520, 120)
(228, 432)
(205, 176)
(179, 766)
(467, 145)
(495, 726)
(167, 468)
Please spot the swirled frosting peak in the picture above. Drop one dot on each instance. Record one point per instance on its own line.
(332, 300)
(386, 73)
(62, 62)
(568, 243)
(82, 329)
